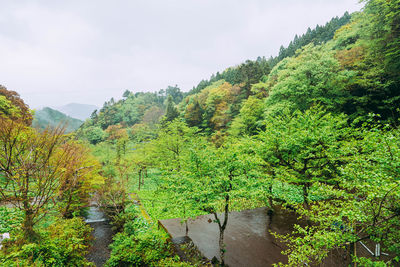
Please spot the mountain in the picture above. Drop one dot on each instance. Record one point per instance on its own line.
(50, 117)
(341, 66)
(213, 104)
(79, 111)
(249, 70)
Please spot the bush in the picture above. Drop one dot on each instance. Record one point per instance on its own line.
(64, 244)
(94, 134)
(141, 244)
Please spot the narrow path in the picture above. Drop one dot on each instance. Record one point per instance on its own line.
(102, 235)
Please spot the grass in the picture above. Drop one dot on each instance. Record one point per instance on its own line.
(10, 219)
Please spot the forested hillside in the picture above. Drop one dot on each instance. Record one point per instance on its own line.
(314, 128)
(140, 112)
(347, 71)
(48, 117)
(250, 69)
(313, 131)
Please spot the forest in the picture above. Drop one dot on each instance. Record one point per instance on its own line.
(313, 130)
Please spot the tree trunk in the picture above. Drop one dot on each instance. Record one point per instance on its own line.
(66, 213)
(186, 224)
(222, 246)
(353, 254)
(27, 226)
(222, 228)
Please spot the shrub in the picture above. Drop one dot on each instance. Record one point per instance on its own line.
(64, 244)
(139, 244)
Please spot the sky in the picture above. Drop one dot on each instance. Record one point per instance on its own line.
(55, 52)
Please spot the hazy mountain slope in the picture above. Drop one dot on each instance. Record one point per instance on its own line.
(50, 117)
(79, 111)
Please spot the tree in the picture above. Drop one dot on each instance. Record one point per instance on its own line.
(313, 76)
(172, 145)
(211, 180)
(93, 116)
(250, 119)
(152, 116)
(80, 178)
(250, 73)
(126, 94)
(171, 112)
(316, 36)
(142, 132)
(94, 134)
(194, 114)
(7, 109)
(141, 158)
(376, 38)
(384, 18)
(16, 107)
(175, 93)
(364, 206)
(31, 168)
(220, 102)
(304, 147)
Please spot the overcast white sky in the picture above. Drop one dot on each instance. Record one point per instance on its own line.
(56, 52)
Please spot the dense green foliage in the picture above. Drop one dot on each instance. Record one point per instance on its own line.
(314, 129)
(341, 69)
(11, 218)
(64, 243)
(140, 244)
(303, 134)
(138, 113)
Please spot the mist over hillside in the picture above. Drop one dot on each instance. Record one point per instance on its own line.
(79, 111)
(48, 117)
(292, 160)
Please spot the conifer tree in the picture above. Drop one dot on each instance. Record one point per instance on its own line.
(171, 112)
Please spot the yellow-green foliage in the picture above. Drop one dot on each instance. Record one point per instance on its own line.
(64, 243)
(7, 108)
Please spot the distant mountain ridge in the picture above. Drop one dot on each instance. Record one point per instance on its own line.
(48, 117)
(79, 111)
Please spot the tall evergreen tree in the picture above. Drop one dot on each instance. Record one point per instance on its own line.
(171, 112)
